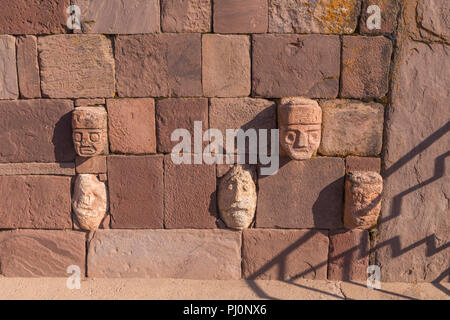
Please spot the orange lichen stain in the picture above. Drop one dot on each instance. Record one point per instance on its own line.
(336, 15)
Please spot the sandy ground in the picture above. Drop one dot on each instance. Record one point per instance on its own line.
(56, 288)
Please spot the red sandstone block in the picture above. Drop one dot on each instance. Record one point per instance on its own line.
(38, 253)
(172, 114)
(365, 67)
(40, 202)
(131, 125)
(185, 254)
(91, 165)
(36, 131)
(388, 12)
(362, 164)
(296, 65)
(284, 254)
(28, 67)
(189, 195)
(156, 65)
(33, 16)
(303, 194)
(349, 255)
(136, 191)
(237, 16)
(186, 15)
(8, 68)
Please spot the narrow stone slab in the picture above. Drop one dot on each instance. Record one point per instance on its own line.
(12, 169)
(38, 253)
(187, 254)
(284, 254)
(28, 67)
(8, 81)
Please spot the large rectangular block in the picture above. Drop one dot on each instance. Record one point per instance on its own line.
(159, 65)
(365, 67)
(189, 195)
(313, 16)
(179, 113)
(186, 15)
(136, 191)
(8, 69)
(38, 253)
(186, 254)
(36, 131)
(349, 255)
(40, 202)
(33, 16)
(118, 16)
(284, 254)
(303, 194)
(236, 16)
(28, 67)
(351, 127)
(131, 125)
(296, 65)
(76, 66)
(226, 65)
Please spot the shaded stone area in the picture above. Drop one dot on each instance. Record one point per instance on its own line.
(414, 239)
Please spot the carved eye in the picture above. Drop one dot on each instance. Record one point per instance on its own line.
(77, 136)
(94, 137)
(290, 137)
(314, 135)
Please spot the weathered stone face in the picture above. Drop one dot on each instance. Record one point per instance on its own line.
(362, 199)
(89, 131)
(89, 201)
(300, 127)
(237, 198)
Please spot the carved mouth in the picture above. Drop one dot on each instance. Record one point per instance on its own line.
(87, 150)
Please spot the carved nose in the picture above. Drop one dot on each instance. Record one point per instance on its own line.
(301, 140)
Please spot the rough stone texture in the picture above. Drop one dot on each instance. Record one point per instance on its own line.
(189, 195)
(414, 237)
(434, 17)
(186, 254)
(388, 10)
(186, 15)
(36, 131)
(89, 102)
(365, 67)
(237, 198)
(172, 114)
(296, 65)
(89, 131)
(28, 67)
(39, 202)
(226, 65)
(313, 16)
(60, 169)
(159, 65)
(284, 254)
(33, 16)
(119, 17)
(363, 191)
(349, 255)
(89, 201)
(131, 125)
(352, 127)
(303, 194)
(299, 121)
(136, 191)
(76, 66)
(242, 113)
(91, 165)
(38, 253)
(362, 164)
(236, 16)
(8, 70)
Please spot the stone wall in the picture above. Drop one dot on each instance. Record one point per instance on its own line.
(155, 66)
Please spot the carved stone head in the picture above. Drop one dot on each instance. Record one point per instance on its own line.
(89, 131)
(89, 201)
(237, 198)
(300, 122)
(363, 191)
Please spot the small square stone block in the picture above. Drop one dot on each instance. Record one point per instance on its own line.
(237, 16)
(186, 15)
(91, 165)
(362, 164)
